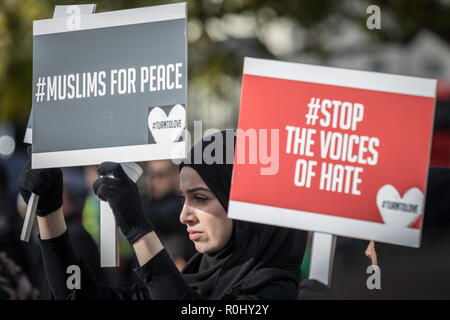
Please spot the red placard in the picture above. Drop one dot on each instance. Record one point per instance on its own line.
(349, 150)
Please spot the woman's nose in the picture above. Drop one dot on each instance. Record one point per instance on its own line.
(187, 215)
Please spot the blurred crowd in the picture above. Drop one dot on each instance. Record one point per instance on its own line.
(21, 270)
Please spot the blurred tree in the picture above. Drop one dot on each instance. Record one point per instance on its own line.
(220, 33)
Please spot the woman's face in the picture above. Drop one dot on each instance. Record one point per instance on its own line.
(205, 218)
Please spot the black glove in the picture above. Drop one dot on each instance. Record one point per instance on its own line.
(46, 183)
(123, 197)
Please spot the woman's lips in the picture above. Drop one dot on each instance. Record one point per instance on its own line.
(194, 235)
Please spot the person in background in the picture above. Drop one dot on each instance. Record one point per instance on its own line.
(74, 196)
(25, 256)
(163, 208)
(14, 284)
(91, 209)
(405, 272)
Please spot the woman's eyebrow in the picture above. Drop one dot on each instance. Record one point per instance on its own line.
(198, 189)
(193, 190)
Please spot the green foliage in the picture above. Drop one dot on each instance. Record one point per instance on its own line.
(211, 59)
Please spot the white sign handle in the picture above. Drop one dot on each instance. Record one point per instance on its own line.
(29, 218)
(322, 256)
(60, 11)
(109, 240)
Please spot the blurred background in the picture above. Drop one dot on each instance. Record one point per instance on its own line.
(414, 39)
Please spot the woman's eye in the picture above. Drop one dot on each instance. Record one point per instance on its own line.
(200, 199)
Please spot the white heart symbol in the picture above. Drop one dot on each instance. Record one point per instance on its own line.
(400, 211)
(167, 128)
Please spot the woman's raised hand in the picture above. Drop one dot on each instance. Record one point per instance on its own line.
(122, 194)
(46, 183)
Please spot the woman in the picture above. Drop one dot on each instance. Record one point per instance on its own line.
(235, 259)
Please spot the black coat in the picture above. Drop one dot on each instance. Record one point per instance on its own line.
(231, 276)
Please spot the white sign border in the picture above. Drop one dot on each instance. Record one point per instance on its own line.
(321, 222)
(94, 156)
(113, 19)
(135, 153)
(366, 80)
(303, 220)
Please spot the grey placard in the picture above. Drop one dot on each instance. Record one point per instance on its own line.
(60, 11)
(110, 120)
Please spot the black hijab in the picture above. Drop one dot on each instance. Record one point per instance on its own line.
(256, 254)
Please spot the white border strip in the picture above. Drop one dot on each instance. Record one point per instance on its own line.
(63, 10)
(113, 18)
(146, 152)
(341, 77)
(28, 136)
(345, 227)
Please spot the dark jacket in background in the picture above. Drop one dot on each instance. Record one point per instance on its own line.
(406, 273)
